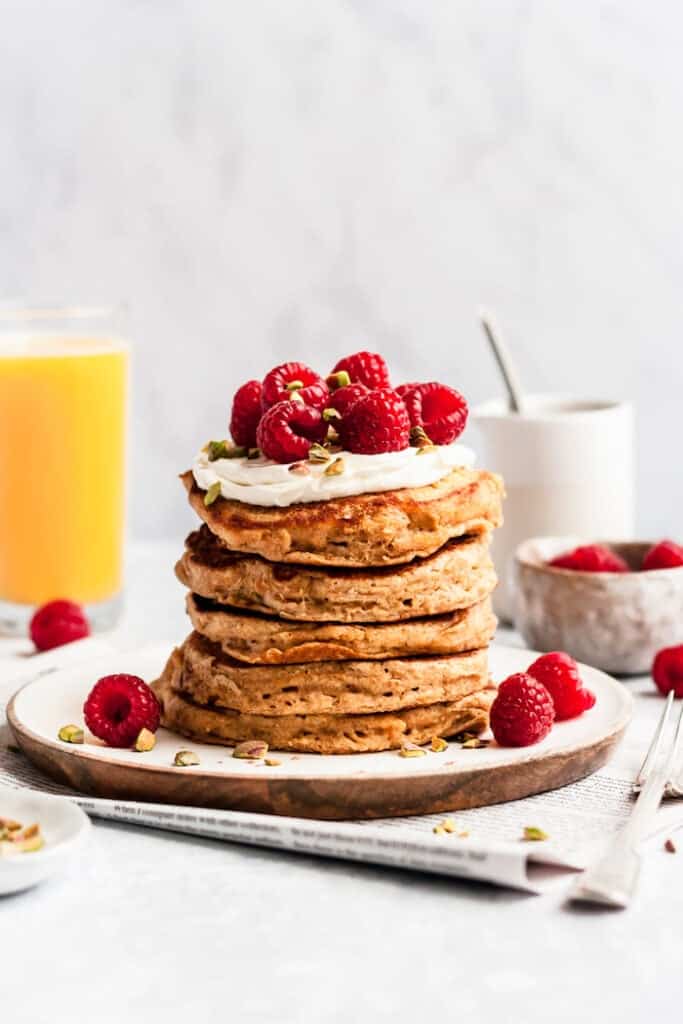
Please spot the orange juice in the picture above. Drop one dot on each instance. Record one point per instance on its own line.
(62, 468)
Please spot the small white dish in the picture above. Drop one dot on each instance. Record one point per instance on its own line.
(64, 827)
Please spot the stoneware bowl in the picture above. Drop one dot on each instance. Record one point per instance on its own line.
(614, 621)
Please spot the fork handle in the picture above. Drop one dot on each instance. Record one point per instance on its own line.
(613, 880)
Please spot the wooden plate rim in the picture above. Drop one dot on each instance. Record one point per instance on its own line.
(20, 730)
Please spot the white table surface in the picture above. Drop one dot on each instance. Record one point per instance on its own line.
(149, 926)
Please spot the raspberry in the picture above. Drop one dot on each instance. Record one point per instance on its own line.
(559, 673)
(667, 670)
(57, 623)
(287, 430)
(441, 411)
(376, 422)
(343, 398)
(522, 713)
(590, 558)
(246, 413)
(118, 707)
(665, 555)
(310, 388)
(366, 368)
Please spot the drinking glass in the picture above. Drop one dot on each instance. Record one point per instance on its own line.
(63, 408)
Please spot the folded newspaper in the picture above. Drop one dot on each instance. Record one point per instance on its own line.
(489, 844)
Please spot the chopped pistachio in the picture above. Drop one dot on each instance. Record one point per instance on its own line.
(340, 379)
(223, 450)
(31, 845)
(294, 385)
(438, 745)
(462, 736)
(331, 414)
(475, 743)
(254, 453)
(30, 832)
(145, 741)
(251, 750)
(419, 438)
(273, 762)
(316, 453)
(411, 750)
(212, 493)
(70, 734)
(217, 450)
(185, 758)
(534, 835)
(26, 840)
(296, 397)
(425, 449)
(335, 468)
(9, 824)
(448, 825)
(439, 830)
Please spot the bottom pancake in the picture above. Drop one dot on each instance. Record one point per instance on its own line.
(317, 733)
(260, 639)
(210, 678)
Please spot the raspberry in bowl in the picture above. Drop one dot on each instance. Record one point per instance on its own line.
(605, 603)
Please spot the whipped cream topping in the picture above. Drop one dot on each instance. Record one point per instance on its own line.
(263, 482)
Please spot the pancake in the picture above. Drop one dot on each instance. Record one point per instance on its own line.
(458, 576)
(211, 678)
(257, 639)
(318, 733)
(388, 528)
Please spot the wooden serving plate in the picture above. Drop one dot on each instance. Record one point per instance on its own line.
(310, 785)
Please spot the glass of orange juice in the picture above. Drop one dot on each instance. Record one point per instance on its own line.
(63, 398)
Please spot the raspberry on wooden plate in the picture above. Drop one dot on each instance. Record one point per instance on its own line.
(522, 713)
(590, 558)
(289, 379)
(118, 707)
(559, 673)
(440, 411)
(57, 623)
(375, 423)
(287, 431)
(367, 368)
(665, 555)
(246, 413)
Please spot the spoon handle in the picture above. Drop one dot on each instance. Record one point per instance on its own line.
(505, 364)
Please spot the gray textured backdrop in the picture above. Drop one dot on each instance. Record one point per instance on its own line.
(270, 180)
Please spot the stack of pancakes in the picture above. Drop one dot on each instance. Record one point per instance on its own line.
(341, 626)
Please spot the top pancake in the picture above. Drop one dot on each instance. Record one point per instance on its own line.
(388, 528)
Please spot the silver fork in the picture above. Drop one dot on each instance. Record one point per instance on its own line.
(674, 786)
(612, 881)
